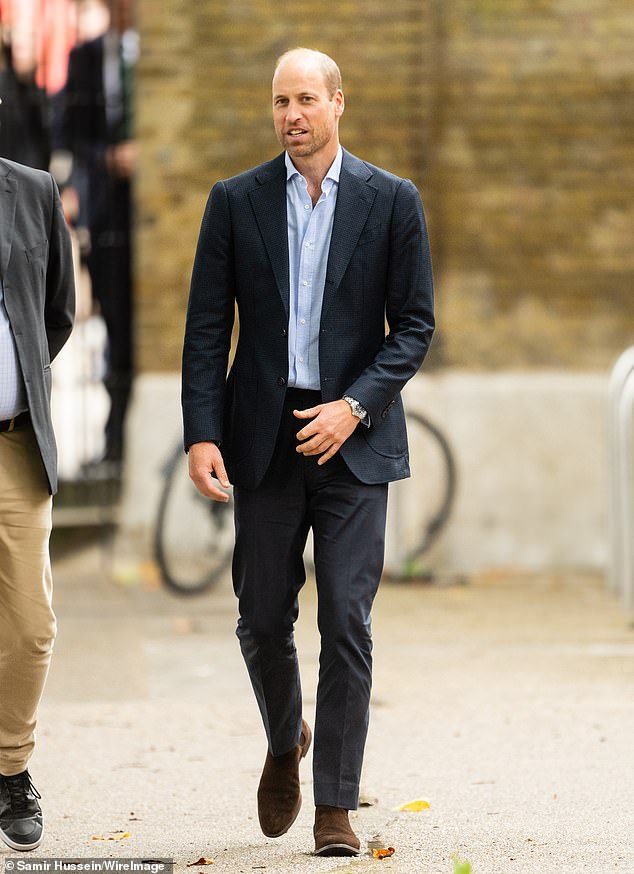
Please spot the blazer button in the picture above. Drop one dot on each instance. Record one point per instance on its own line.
(284, 332)
(281, 380)
(384, 414)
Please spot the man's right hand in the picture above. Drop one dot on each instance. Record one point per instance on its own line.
(205, 459)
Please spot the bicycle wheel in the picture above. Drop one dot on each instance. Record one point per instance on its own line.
(419, 507)
(194, 535)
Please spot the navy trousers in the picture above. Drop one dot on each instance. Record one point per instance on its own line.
(347, 518)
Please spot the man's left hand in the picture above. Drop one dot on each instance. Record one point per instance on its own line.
(332, 424)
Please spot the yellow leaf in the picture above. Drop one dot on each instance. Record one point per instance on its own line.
(415, 806)
(117, 836)
(201, 861)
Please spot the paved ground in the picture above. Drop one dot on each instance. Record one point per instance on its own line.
(508, 702)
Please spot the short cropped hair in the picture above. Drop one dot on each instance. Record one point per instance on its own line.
(329, 69)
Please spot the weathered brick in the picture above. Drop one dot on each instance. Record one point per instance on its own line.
(514, 117)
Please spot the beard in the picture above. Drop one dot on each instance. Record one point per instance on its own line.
(317, 138)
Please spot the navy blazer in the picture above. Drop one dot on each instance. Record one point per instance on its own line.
(379, 268)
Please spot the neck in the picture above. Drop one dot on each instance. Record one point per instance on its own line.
(314, 167)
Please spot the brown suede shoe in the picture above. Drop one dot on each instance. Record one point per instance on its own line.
(333, 835)
(279, 796)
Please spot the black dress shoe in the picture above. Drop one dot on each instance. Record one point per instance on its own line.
(20, 813)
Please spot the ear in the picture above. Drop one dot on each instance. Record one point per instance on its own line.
(340, 103)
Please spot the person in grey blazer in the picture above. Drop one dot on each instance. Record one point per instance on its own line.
(318, 248)
(37, 301)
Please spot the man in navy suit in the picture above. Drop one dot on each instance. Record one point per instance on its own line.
(318, 249)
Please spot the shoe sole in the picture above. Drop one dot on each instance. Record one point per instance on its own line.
(337, 850)
(20, 847)
(305, 748)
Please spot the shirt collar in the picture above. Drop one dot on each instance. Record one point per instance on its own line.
(332, 174)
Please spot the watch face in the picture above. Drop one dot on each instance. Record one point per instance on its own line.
(355, 406)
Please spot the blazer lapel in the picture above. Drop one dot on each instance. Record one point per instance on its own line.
(269, 205)
(354, 201)
(8, 199)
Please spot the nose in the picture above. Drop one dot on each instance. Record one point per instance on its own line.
(293, 111)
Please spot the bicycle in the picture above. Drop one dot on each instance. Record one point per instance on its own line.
(193, 538)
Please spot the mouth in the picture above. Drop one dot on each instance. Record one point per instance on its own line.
(296, 132)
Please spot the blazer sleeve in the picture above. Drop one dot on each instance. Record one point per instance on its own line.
(210, 315)
(59, 308)
(409, 307)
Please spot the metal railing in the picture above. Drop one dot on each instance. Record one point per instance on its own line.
(621, 482)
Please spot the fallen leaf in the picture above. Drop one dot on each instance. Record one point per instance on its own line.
(150, 575)
(460, 866)
(415, 806)
(383, 853)
(201, 861)
(117, 836)
(127, 575)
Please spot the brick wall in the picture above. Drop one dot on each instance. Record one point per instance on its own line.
(535, 169)
(514, 117)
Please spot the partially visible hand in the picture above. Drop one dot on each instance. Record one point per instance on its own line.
(70, 202)
(205, 459)
(121, 159)
(332, 424)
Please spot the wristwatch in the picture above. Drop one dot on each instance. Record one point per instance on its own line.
(357, 410)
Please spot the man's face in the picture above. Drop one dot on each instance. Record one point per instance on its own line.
(304, 115)
(93, 19)
(122, 14)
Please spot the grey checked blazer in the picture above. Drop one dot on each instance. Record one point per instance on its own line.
(39, 291)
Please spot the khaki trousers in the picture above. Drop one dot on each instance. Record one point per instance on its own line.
(27, 621)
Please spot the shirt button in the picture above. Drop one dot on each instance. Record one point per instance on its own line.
(304, 283)
(307, 206)
(281, 380)
(302, 321)
(301, 358)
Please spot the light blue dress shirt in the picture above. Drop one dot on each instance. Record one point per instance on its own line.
(309, 233)
(12, 391)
